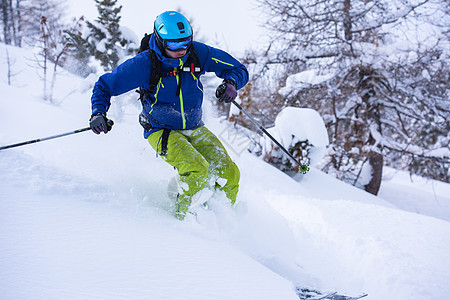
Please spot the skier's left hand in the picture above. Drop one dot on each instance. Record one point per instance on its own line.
(226, 92)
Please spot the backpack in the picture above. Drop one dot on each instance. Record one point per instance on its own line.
(192, 65)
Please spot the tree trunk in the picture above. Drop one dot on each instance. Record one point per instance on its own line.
(347, 21)
(376, 164)
(13, 21)
(19, 25)
(368, 85)
(6, 22)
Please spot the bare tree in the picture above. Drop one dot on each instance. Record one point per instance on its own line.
(54, 51)
(389, 86)
(21, 19)
(10, 63)
(50, 42)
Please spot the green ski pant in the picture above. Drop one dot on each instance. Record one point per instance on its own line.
(199, 157)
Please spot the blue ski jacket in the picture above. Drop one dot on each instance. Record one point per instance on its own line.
(164, 108)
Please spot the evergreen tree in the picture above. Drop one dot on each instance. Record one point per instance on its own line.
(105, 34)
(104, 41)
(79, 59)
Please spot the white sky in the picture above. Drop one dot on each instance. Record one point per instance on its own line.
(234, 22)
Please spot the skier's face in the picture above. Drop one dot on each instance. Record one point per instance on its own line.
(176, 54)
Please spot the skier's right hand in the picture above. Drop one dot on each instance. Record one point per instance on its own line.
(99, 123)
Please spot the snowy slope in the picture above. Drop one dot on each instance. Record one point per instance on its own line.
(88, 217)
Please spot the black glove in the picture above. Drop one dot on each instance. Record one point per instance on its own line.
(226, 91)
(99, 123)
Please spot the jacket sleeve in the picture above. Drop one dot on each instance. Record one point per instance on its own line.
(131, 74)
(223, 64)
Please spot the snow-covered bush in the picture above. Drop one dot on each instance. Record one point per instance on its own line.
(302, 132)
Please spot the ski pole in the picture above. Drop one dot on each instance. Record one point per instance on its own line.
(304, 168)
(44, 139)
(109, 123)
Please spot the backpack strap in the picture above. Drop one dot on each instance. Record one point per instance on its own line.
(155, 71)
(193, 63)
(164, 140)
(155, 75)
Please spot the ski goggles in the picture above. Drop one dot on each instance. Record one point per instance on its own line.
(177, 45)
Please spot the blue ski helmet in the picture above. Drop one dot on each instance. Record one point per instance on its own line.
(173, 31)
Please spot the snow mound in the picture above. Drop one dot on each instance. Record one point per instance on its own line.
(294, 124)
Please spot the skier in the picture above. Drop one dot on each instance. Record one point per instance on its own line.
(172, 105)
